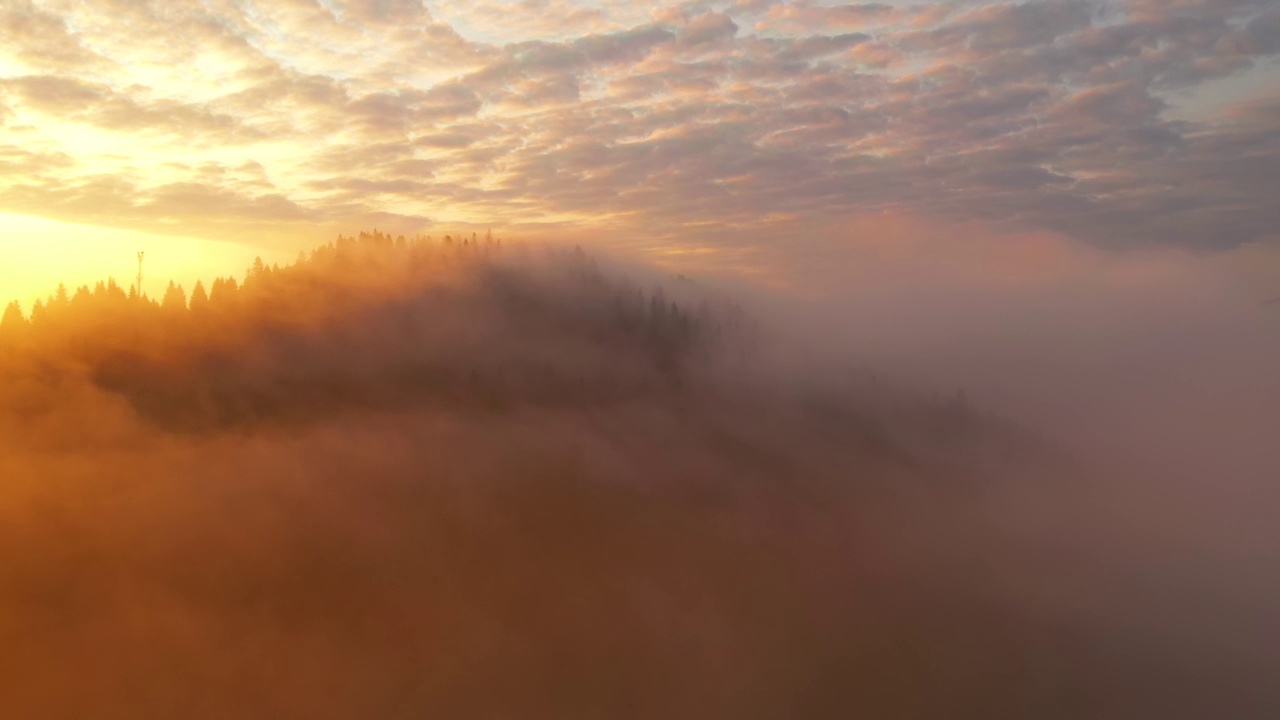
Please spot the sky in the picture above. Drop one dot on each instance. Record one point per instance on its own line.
(767, 139)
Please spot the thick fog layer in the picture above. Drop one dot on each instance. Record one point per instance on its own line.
(1155, 369)
(426, 478)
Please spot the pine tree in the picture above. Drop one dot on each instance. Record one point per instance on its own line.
(257, 272)
(223, 292)
(83, 298)
(60, 299)
(175, 300)
(199, 299)
(13, 322)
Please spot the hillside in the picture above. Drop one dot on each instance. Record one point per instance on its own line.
(375, 324)
(434, 478)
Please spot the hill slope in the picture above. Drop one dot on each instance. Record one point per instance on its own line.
(412, 479)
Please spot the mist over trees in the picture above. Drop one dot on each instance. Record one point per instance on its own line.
(376, 319)
(463, 478)
(380, 323)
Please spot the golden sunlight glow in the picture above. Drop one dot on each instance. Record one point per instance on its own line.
(666, 358)
(37, 254)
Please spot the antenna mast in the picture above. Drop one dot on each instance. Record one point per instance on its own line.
(140, 254)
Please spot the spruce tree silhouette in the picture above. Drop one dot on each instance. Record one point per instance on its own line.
(13, 323)
(60, 301)
(82, 301)
(259, 271)
(114, 292)
(404, 297)
(222, 294)
(199, 299)
(175, 300)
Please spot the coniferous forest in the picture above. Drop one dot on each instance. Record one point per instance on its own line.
(373, 321)
(471, 478)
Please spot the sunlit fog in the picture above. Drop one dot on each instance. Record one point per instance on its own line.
(714, 359)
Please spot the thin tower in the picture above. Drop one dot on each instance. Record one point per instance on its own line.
(140, 254)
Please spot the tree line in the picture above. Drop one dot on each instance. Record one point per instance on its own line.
(376, 319)
(369, 266)
(107, 297)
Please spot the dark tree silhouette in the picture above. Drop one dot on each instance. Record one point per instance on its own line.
(82, 300)
(258, 272)
(175, 300)
(13, 322)
(60, 301)
(375, 319)
(199, 299)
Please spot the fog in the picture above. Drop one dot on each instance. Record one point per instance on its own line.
(1156, 370)
(428, 478)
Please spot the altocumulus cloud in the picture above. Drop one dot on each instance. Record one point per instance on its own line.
(1053, 115)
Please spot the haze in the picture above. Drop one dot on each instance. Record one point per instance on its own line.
(569, 358)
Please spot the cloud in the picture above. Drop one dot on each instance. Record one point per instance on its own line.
(1050, 115)
(99, 105)
(42, 40)
(707, 28)
(18, 162)
(223, 205)
(388, 12)
(622, 47)
(809, 17)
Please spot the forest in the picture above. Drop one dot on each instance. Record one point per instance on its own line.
(371, 318)
(470, 478)
(375, 323)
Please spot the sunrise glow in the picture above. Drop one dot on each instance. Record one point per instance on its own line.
(622, 360)
(287, 121)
